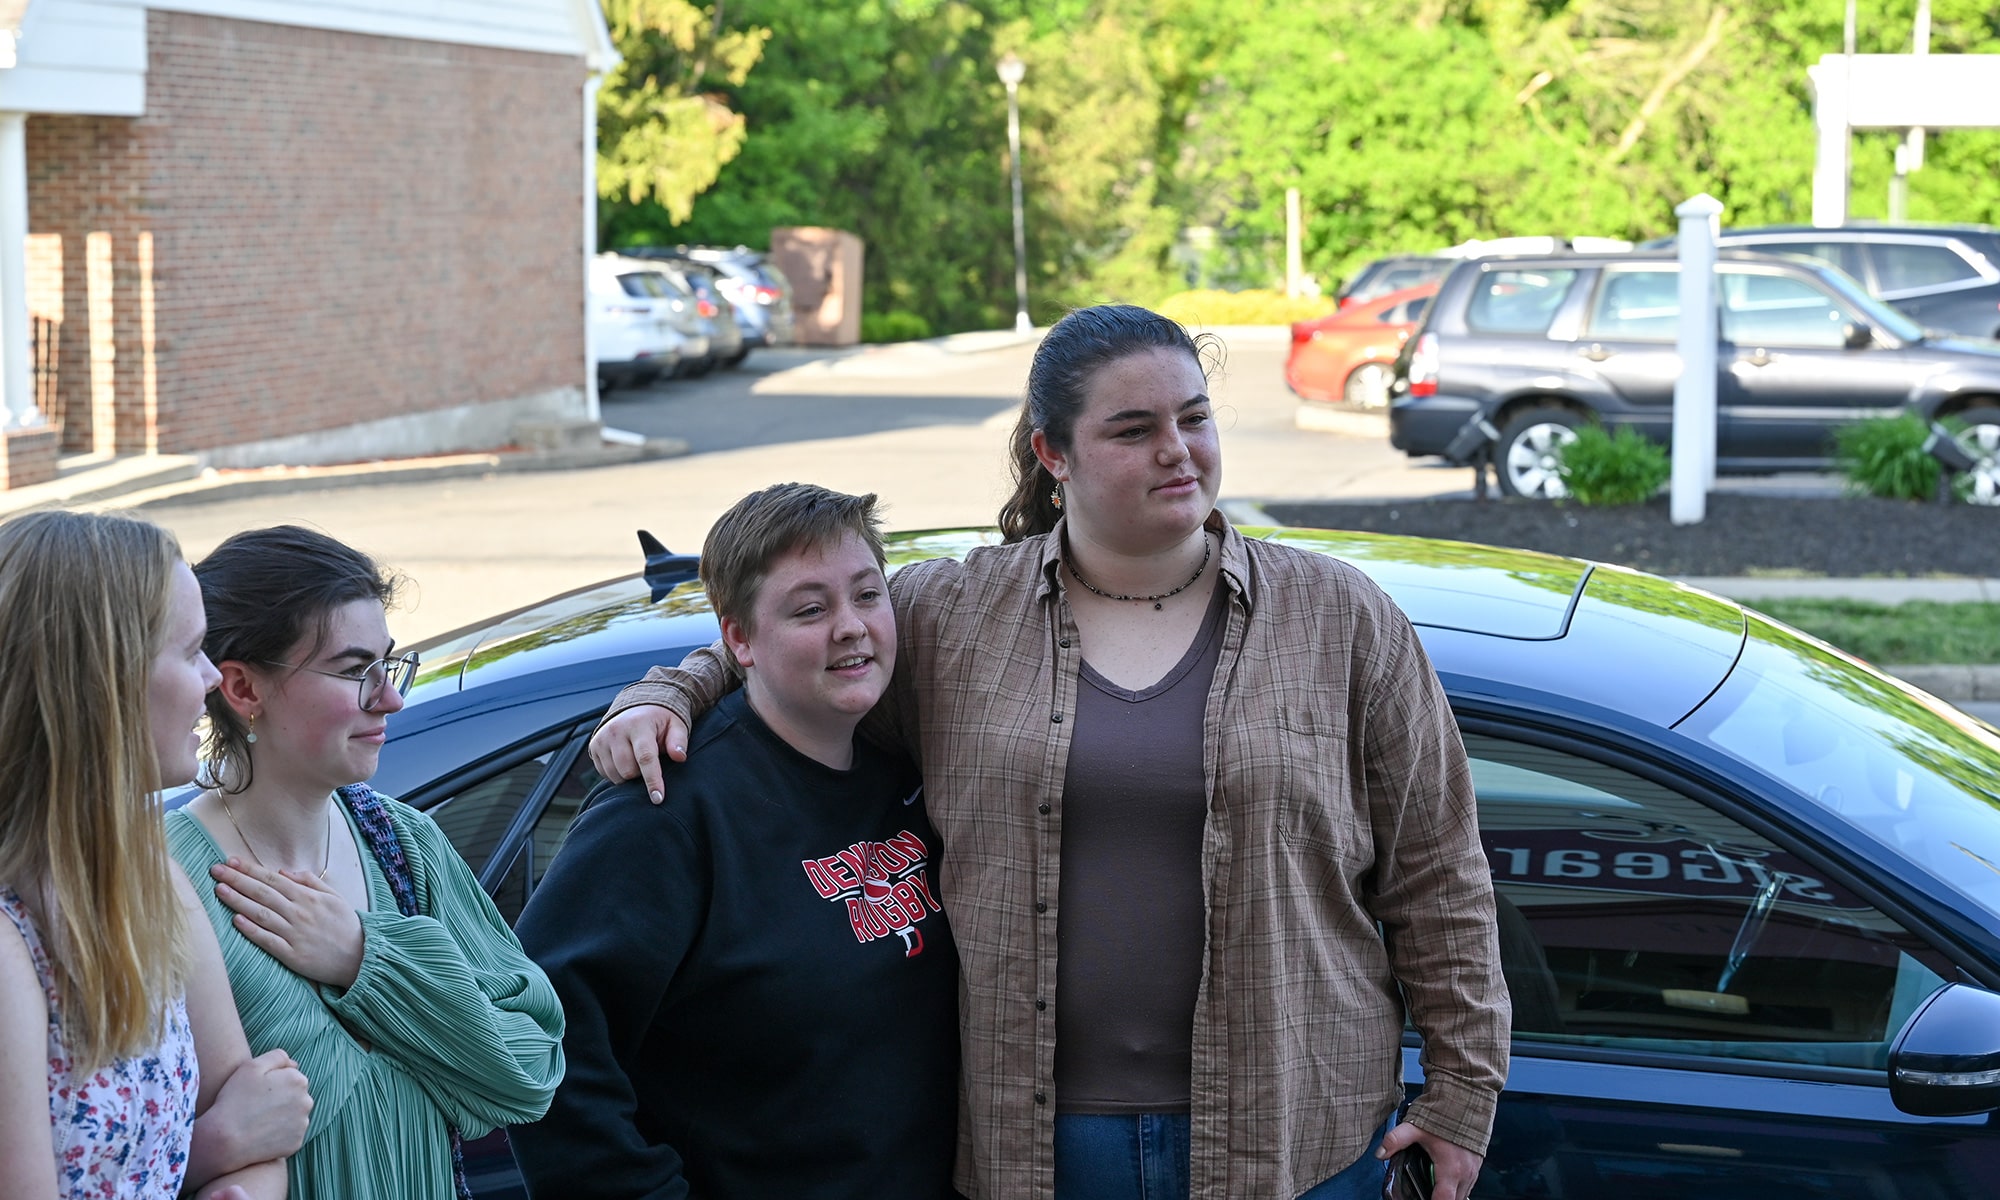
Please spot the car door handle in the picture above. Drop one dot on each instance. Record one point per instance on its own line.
(1595, 352)
(1759, 357)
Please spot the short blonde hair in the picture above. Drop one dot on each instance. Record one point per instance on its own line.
(743, 542)
(83, 601)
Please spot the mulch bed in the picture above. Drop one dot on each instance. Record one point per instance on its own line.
(1741, 535)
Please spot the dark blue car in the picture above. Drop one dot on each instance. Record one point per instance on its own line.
(1750, 888)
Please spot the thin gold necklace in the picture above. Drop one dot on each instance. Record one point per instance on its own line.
(1156, 601)
(326, 861)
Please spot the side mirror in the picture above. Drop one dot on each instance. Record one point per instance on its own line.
(1946, 1061)
(1857, 335)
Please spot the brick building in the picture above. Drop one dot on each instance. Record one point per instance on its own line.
(296, 231)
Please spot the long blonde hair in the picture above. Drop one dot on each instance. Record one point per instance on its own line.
(83, 613)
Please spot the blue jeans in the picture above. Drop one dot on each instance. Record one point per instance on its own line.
(1146, 1158)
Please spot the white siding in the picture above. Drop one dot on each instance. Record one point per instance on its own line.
(79, 56)
(547, 26)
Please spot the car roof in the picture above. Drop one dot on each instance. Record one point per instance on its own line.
(1497, 622)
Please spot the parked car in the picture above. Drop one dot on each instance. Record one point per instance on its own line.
(1350, 355)
(718, 315)
(1945, 277)
(1749, 887)
(1399, 271)
(1392, 274)
(632, 331)
(1536, 346)
(757, 294)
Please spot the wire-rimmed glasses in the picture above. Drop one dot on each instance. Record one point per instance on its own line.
(399, 672)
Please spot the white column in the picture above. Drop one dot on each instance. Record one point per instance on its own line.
(17, 376)
(1694, 392)
(591, 411)
(1829, 78)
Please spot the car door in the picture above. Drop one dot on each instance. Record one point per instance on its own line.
(1629, 343)
(1789, 376)
(1700, 1009)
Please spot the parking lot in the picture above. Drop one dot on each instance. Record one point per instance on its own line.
(924, 427)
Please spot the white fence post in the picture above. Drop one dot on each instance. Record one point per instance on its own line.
(1694, 391)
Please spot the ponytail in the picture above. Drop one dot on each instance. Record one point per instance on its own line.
(1031, 509)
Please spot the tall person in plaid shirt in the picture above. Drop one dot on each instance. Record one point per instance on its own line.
(1209, 832)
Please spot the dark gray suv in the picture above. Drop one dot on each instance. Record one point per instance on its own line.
(1536, 346)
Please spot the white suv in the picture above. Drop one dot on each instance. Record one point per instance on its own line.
(633, 330)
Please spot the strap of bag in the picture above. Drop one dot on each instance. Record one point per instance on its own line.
(380, 833)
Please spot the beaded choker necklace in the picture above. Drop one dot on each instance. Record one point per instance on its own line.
(1157, 601)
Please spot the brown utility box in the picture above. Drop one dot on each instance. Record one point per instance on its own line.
(824, 268)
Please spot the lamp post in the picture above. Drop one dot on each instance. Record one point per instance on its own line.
(1012, 69)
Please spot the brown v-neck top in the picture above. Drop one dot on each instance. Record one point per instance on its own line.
(1130, 940)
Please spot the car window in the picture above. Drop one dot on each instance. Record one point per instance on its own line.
(1409, 311)
(1916, 775)
(531, 857)
(649, 284)
(1901, 266)
(1637, 304)
(1780, 310)
(552, 827)
(1521, 300)
(1633, 917)
(476, 817)
(1844, 255)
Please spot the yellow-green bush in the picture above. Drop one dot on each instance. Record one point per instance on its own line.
(1200, 309)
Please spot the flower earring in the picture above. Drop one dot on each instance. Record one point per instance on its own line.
(1055, 497)
(250, 735)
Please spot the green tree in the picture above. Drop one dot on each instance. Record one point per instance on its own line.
(664, 132)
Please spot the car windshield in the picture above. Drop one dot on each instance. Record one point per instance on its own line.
(645, 284)
(1878, 314)
(1911, 772)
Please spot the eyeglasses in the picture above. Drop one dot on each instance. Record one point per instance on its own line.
(398, 673)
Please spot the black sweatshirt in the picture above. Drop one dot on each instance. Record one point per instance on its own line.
(760, 986)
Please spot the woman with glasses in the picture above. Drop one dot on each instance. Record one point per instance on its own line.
(354, 934)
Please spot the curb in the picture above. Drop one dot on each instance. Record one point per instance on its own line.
(213, 486)
(1951, 681)
(1348, 422)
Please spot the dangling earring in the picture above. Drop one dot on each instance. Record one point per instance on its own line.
(1055, 497)
(250, 736)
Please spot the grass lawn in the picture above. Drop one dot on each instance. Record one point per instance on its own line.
(1918, 631)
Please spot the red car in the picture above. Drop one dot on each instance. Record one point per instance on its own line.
(1346, 356)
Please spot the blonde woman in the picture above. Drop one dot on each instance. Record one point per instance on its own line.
(123, 1070)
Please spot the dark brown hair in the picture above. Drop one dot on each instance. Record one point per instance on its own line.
(264, 591)
(1065, 363)
(763, 525)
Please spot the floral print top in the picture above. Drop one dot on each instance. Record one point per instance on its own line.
(120, 1133)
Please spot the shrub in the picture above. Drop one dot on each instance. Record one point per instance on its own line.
(1625, 467)
(895, 325)
(1884, 456)
(1250, 307)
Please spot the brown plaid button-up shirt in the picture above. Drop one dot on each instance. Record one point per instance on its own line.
(1341, 862)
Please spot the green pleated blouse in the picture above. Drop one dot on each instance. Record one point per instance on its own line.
(463, 1027)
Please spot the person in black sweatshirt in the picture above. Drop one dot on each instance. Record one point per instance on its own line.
(760, 982)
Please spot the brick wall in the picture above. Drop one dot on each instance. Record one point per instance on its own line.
(86, 176)
(312, 229)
